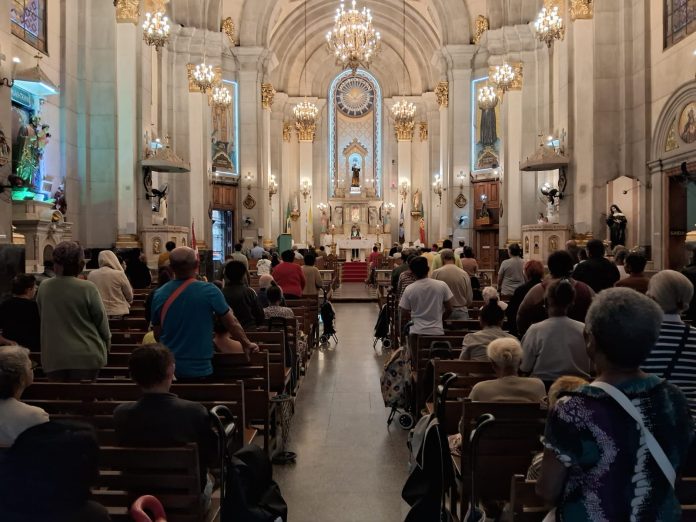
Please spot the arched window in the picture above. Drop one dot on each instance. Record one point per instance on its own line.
(679, 20)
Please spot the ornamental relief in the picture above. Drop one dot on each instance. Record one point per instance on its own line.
(581, 9)
(127, 11)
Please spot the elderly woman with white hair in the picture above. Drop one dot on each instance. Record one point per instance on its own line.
(674, 355)
(600, 461)
(16, 374)
(506, 355)
(75, 333)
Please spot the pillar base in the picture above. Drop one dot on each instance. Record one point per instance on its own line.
(127, 241)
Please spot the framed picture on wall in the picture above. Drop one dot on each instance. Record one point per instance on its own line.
(338, 216)
(372, 217)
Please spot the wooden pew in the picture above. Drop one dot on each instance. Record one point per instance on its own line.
(280, 358)
(525, 504)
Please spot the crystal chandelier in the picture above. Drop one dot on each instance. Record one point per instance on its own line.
(549, 25)
(353, 40)
(156, 29)
(487, 98)
(305, 119)
(503, 77)
(203, 76)
(221, 97)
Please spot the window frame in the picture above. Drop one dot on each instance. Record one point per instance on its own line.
(40, 43)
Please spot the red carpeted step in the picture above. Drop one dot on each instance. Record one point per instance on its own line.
(354, 272)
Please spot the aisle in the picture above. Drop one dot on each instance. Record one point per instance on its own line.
(350, 468)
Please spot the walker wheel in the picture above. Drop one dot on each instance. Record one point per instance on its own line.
(406, 421)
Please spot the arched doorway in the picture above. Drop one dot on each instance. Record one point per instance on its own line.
(47, 254)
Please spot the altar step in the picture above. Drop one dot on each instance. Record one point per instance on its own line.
(354, 272)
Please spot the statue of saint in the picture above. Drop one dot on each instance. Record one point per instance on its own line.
(355, 180)
(617, 226)
(417, 200)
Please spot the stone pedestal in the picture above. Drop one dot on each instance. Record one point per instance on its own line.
(42, 227)
(154, 238)
(538, 241)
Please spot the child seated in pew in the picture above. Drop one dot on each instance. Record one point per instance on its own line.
(160, 418)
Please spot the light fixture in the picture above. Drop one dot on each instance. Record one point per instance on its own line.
(353, 41)
(487, 98)
(503, 77)
(272, 189)
(404, 111)
(461, 179)
(403, 190)
(221, 97)
(204, 74)
(306, 189)
(437, 187)
(248, 179)
(156, 28)
(551, 193)
(483, 198)
(32, 80)
(305, 112)
(322, 207)
(549, 25)
(388, 207)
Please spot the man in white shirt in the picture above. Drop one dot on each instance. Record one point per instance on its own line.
(459, 250)
(458, 282)
(256, 252)
(428, 301)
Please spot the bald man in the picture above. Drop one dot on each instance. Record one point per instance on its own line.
(183, 313)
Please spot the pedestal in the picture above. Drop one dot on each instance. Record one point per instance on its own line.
(43, 228)
(538, 241)
(154, 238)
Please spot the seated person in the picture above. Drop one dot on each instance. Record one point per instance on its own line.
(506, 355)
(556, 346)
(595, 457)
(241, 299)
(47, 474)
(475, 345)
(275, 309)
(160, 418)
(223, 340)
(636, 278)
(16, 374)
(289, 276)
(313, 281)
(263, 265)
(19, 315)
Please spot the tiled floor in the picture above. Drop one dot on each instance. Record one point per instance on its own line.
(350, 467)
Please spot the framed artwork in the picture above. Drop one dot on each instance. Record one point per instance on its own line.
(355, 214)
(338, 216)
(687, 123)
(372, 216)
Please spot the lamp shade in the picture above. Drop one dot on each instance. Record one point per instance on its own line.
(35, 81)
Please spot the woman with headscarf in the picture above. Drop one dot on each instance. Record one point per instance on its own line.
(113, 285)
(265, 282)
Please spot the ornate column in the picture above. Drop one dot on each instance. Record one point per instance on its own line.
(442, 93)
(127, 135)
(404, 137)
(267, 94)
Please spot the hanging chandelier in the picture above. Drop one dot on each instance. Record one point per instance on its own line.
(503, 77)
(487, 98)
(156, 29)
(403, 113)
(203, 76)
(221, 97)
(549, 25)
(353, 40)
(305, 120)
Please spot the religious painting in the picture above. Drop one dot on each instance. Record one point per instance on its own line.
(687, 123)
(355, 214)
(553, 243)
(536, 244)
(526, 245)
(372, 216)
(338, 216)
(156, 245)
(486, 132)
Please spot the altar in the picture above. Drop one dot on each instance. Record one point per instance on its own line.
(363, 245)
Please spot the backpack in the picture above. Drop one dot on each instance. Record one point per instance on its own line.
(396, 379)
(382, 326)
(251, 494)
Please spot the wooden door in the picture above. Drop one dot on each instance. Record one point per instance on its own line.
(487, 249)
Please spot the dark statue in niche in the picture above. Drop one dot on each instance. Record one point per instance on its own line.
(355, 180)
(617, 226)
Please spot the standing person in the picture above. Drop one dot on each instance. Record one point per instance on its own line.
(19, 315)
(427, 301)
(182, 316)
(474, 345)
(289, 276)
(674, 355)
(573, 249)
(238, 255)
(458, 282)
(137, 270)
(635, 266)
(533, 274)
(163, 258)
(556, 346)
(313, 281)
(256, 252)
(263, 265)
(75, 334)
(511, 273)
(469, 262)
(113, 285)
(240, 298)
(406, 277)
(597, 272)
(460, 249)
(597, 464)
(401, 265)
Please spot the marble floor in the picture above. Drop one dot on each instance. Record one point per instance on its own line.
(350, 466)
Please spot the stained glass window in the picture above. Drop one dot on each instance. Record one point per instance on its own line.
(28, 21)
(679, 21)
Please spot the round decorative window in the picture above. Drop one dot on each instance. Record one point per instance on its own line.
(355, 97)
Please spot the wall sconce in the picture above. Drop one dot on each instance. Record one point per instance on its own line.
(323, 207)
(437, 187)
(9, 82)
(461, 179)
(248, 179)
(306, 189)
(403, 190)
(272, 188)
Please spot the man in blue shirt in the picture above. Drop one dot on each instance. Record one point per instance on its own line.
(184, 324)
(257, 251)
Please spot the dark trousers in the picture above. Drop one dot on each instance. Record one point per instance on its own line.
(72, 375)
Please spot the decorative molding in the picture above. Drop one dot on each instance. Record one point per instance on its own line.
(404, 130)
(267, 94)
(127, 11)
(581, 9)
(481, 26)
(442, 94)
(423, 130)
(287, 131)
(230, 30)
(305, 132)
(192, 85)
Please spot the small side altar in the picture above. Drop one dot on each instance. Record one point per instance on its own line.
(43, 227)
(155, 237)
(540, 240)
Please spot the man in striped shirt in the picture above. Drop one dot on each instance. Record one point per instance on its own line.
(674, 355)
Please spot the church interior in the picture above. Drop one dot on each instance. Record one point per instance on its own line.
(345, 126)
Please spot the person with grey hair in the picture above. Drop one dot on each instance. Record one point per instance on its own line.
(16, 374)
(75, 335)
(674, 355)
(183, 312)
(598, 459)
(401, 268)
(506, 355)
(458, 281)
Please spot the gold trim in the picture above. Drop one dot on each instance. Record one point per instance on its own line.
(442, 93)
(230, 30)
(287, 131)
(423, 130)
(127, 11)
(267, 94)
(581, 9)
(404, 130)
(481, 26)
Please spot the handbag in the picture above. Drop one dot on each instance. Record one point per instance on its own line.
(653, 446)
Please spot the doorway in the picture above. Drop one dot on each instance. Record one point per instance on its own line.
(223, 236)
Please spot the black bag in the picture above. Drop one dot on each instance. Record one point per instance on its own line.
(251, 494)
(382, 326)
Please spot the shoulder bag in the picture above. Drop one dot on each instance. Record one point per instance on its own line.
(176, 293)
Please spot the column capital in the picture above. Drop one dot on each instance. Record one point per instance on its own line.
(442, 94)
(423, 130)
(287, 131)
(127, 11)
(404, 131)
(267, 94)
(581, 10)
